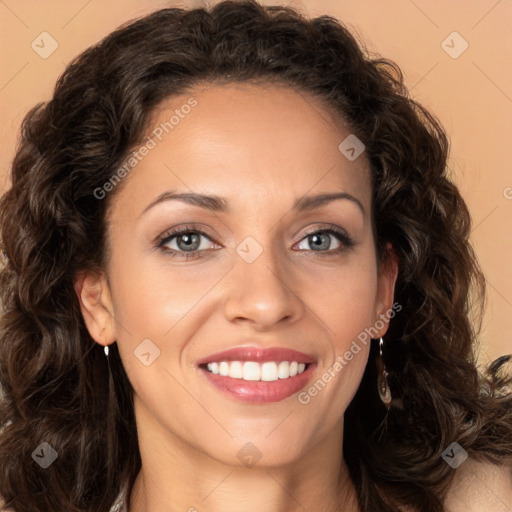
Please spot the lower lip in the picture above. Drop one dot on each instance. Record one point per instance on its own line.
(260, 391)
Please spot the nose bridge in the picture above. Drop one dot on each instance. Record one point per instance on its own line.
(260, 289)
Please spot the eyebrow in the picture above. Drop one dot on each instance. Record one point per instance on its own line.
(219, 204)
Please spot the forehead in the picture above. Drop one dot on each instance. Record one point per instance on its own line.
(247, 141)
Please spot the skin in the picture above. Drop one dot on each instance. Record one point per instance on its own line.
(243, 143)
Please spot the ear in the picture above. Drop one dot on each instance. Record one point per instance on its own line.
(387, 275)
(96, 305)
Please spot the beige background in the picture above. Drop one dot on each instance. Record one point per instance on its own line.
(471, 94)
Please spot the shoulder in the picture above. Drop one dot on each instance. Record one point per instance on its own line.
(480, 487)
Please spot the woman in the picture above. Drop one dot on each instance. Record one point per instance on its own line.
(237, 277)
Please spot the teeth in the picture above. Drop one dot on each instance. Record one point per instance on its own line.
(283, 370)
(269, 371)
(236, 370)
(214, 368)
(252, 371)
(223, 369)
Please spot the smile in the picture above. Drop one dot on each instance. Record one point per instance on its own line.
(258, 375)
(254, 371)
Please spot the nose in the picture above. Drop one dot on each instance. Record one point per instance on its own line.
(262, 293)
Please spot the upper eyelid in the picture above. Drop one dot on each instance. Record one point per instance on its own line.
(173, 233)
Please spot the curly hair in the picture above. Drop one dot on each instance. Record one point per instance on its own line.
(56, 384)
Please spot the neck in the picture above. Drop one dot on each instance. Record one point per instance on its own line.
(177, 477)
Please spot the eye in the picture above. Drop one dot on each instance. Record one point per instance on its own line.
(188, 242)
(321, 240)
(185, 242)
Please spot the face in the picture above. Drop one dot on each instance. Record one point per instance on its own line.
(227, 310)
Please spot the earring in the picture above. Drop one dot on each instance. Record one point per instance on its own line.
(105, 349)
(382, 378)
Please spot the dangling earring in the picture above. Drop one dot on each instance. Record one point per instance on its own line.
(382, 378)
(106, 351)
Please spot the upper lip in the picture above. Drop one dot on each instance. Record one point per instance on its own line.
(258, 354)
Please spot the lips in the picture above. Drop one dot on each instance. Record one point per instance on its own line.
(255, 374)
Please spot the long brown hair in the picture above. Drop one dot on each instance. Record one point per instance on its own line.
(57, 387)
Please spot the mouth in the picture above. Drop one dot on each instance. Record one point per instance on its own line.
(258, 375)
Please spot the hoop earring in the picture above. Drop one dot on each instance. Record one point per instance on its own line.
(382, 378)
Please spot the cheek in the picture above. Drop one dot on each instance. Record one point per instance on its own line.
(346, 305)
(152, 296)
(345, 298)
(157, 310)
(337, 381)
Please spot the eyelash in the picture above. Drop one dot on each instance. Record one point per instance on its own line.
(346, 241)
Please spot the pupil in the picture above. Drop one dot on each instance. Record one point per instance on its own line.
(190, 240)
(317, 238)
